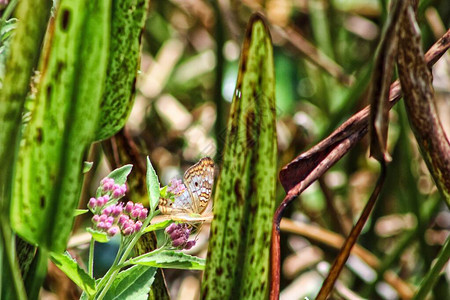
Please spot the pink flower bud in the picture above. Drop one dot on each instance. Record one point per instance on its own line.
(189, 244)
(110, 219)
(137, 226)
(108, 224)
(113, 231)
(178, 242)
(129, 206)
(107, 211)
(139, 205)
(143, 214)
(96, 218)
(106, 198)
(101, 201)
(135, 213)
(128, 231)
(103, 218)
(92, 203)
(171, 228)
(107, 184)
(101, 225)
(123, 219)
(117, 210)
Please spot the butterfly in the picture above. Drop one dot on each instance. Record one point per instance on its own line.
(191, 200)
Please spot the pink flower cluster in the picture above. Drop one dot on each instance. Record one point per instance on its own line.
(176, 186)
(117, 217)
(113, 218)
(108, 186)
(179, 234)
(111, 191)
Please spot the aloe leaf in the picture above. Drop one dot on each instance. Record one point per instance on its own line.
(238, 255)
(49, 169)
(127, 22)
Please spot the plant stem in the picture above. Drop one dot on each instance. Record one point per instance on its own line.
(9, 10)
(433, 275)
(114, 270)
(91, 258)
(35, 280)
(7, 239)
(113, 266)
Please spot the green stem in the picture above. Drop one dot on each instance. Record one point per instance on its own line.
(156, 251)
(9, 10)
(38, 272)
(103, 281)
(432, 276)
(109, 277)
(12, 262)
(91, 258)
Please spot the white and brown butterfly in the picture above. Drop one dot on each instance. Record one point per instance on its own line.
(191, 204)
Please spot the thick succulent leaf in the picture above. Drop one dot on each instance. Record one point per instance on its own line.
(238, 255)
(127, 22)
(49, 170)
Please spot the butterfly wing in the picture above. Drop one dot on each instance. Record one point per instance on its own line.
(199, 180)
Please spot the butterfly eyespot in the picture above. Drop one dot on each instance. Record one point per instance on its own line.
(196, 184)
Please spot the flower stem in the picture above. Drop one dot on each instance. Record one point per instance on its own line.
(109, 277)
(91, 258)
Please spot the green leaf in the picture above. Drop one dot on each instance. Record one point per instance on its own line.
(49, 169)
(87, 166)
(120, 174)
(133, 283)
(163, 192)
(70, 267)
(239, 248)
(80, 212)
(98, 236)
(157, 226)
(127, 23)
(152, 186)
(170, 259)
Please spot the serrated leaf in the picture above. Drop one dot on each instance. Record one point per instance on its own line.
(71, 268)
(120, 174)
(157, 226)
(170, 259)
(133, 283)
(152, 186)
(98, 236)
(79, 212)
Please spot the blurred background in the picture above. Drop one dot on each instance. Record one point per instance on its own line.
(323, 53)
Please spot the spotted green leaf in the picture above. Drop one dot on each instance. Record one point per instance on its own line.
(127, 22)
(49, 170)
(238, 255)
